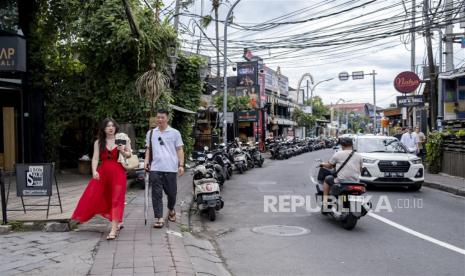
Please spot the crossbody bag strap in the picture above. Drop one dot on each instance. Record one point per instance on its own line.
(345, 162)
(150, 147)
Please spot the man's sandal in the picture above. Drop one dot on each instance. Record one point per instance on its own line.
(172, 216)
(159, 224)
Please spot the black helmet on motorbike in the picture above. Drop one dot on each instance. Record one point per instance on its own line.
(346, 141)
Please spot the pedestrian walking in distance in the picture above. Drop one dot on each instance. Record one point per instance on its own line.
(164, 159)
(105, 193)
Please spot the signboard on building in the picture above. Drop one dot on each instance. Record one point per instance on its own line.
(271, 79)
(406, 82)
(12, 54)
(261, 83)
(283, 83)
(409, 101)
(247, 73)
(247, 116)
(34, 179)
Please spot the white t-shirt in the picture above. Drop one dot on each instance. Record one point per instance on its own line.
(164, 154)
(352, 170)
(410, 141)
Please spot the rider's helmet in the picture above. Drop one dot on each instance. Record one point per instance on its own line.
(346, 141)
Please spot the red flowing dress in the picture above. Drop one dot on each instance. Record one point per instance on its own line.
(105, 196)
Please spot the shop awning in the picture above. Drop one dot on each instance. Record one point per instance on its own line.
(181, 109)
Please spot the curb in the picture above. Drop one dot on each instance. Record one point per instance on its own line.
(444, 188)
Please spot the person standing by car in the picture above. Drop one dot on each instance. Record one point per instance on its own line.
(399, 133)
(167, 160)
(410, 141)
(421, 143)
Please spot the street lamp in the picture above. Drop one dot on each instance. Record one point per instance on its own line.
(225, 71)
(313, 89)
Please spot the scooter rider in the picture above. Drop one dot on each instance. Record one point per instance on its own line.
(350, 172)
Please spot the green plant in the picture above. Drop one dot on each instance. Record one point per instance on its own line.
(434, 152)
(16, 225)
(460, 133)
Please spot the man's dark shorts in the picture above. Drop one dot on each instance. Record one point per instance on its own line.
(329, 180)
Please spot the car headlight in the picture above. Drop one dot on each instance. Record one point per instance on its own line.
(369, 161)
(416, 161)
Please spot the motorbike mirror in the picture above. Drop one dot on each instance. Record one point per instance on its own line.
(205, 148)
(209, 155)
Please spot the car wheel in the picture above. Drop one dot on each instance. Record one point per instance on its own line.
(415, 187)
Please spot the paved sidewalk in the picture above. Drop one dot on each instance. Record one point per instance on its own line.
(447, 183)
(143, 250)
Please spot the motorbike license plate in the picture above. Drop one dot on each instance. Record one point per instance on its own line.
(393, 174)
(356, 198)
(210, 197)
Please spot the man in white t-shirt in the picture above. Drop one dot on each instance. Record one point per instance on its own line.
(410, 141)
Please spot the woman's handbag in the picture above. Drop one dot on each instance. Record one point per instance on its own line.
(130, 163)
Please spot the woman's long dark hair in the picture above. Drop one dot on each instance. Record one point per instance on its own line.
(101, 132)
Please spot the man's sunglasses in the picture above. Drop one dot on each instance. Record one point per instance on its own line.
(161, 141)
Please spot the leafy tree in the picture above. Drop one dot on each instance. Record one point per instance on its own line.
(318, 108)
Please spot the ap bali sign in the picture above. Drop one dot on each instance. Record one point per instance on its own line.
(406, 82)
(12, 54)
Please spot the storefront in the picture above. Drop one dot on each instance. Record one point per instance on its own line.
(21, 107)
(12, 67)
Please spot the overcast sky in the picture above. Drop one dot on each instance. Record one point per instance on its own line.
(387, 57)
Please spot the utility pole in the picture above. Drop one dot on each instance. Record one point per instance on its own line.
(412, 52)
(176, 15)
(432, 73)
(448, 6)
(200, 35)
(225, 73)
(216, 6)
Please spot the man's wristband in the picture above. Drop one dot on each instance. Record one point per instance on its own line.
(181, 166)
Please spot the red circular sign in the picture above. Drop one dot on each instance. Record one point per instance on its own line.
(406, 82)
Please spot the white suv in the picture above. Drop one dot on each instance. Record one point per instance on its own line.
(386, 162)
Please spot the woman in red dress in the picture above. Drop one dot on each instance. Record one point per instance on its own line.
(105, 193)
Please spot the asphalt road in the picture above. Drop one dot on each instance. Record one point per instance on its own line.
(411, 233)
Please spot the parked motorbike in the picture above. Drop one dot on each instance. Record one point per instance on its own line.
(239, 158)
(346, 202)
(206, 191)
(257, 157)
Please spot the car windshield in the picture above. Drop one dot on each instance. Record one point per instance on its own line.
(379, 145)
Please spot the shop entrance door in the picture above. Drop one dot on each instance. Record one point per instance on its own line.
(8, 156)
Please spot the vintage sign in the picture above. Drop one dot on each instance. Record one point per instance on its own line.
(247, 116)
(409, 101)
(34, 179)
(406, 82)
(12, 54)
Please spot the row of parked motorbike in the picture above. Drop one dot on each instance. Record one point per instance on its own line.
(284, 149)
(214, 166)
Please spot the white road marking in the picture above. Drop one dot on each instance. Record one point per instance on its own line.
(417, 234)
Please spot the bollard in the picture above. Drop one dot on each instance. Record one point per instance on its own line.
(2, 192)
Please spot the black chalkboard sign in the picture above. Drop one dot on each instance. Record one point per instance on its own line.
(34, 179)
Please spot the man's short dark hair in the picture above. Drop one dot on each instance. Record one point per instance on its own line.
(163, 111)
(346, 142)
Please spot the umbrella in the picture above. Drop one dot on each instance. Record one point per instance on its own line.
(146, 199)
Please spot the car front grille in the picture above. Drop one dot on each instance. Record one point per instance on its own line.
(394, 166)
